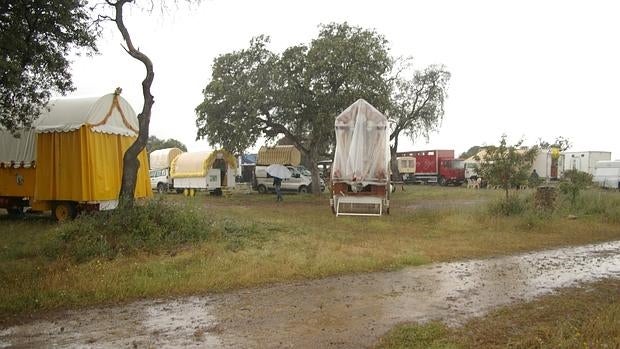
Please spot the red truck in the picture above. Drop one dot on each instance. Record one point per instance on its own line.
(436, 166)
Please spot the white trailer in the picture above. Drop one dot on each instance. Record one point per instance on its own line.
(548, 166)
(584, 161)
(607, 174)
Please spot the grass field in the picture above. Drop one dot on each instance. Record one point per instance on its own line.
(252, 240)
(586, 317)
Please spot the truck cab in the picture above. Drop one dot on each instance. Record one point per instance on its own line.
(160, 180)
(451, 171)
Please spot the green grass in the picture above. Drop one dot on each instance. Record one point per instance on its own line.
(211, 244)
(586, 317)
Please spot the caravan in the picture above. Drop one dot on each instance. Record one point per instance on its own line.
(607, 174)
(71, 160)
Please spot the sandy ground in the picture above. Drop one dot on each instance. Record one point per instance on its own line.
(339, 312)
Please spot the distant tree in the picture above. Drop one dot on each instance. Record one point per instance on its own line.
(560, 143)
(36, 36)
(155, 143)
(255, 93)
(573, 182)
(416, 106)
(507, 166)
(471, 152)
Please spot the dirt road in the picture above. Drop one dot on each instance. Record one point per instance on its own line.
(339, 312)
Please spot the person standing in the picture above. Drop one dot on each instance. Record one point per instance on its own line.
(277, 184)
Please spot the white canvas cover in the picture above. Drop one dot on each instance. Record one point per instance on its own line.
(161, 158)
(110, 113)
(362, 146)
(18, 150)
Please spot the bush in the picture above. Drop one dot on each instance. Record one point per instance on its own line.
(573, 182)
(510, 206)
(154, 226)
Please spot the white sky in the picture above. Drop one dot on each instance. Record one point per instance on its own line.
(532, 69)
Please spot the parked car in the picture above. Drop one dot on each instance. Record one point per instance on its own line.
(299, 182)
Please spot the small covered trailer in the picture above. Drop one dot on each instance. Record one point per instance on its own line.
(360, 172)
(213, 171)
(71, 159)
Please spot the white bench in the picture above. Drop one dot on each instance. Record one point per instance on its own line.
(365, 200)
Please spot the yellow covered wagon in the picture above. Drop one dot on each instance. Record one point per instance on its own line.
(71, 159)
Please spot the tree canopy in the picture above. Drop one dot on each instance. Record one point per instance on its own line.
(416, 105)
(471, 152)
(256, 93)
(36, 36)
(507, 166)
(155, 143)
(297, 94)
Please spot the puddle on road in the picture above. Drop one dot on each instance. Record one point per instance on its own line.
(339, 312)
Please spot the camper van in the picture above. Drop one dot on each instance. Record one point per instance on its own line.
(299, 182)
(607, 174)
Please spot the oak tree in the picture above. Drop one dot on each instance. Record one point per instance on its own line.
(256, 93)
(36, 37)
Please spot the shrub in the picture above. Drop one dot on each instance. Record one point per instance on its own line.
(573, 182)
(154, 226)
(508, 206)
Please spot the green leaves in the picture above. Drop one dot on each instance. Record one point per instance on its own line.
(155, 143)
(35, 38)
(297, 94)
(507, 166)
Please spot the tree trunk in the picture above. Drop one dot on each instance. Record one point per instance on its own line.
(394, 165)
(314, 169)
(130, 159)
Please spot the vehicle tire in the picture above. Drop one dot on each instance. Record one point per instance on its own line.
(63, 211)
(262, 189)
(161, 188)
(442, 181)
(303, 189)
(217, 192)
(179, 191)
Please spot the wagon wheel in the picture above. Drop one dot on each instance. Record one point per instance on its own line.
(64, 211)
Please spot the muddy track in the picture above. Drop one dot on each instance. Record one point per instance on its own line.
(339, 312)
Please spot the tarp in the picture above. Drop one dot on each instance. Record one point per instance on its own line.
(17, 152)
(110, 113)
(362, 152)
(161, 158)
(280, 154)
(197, 164)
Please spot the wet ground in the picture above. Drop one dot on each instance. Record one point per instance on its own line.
(339, 312)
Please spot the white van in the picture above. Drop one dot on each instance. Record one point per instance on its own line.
(298, 182)
(607, 174)
(160, 180)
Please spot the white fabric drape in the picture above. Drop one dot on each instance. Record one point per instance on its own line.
(362, 146)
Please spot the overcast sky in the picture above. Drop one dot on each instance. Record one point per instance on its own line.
(531, 69)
